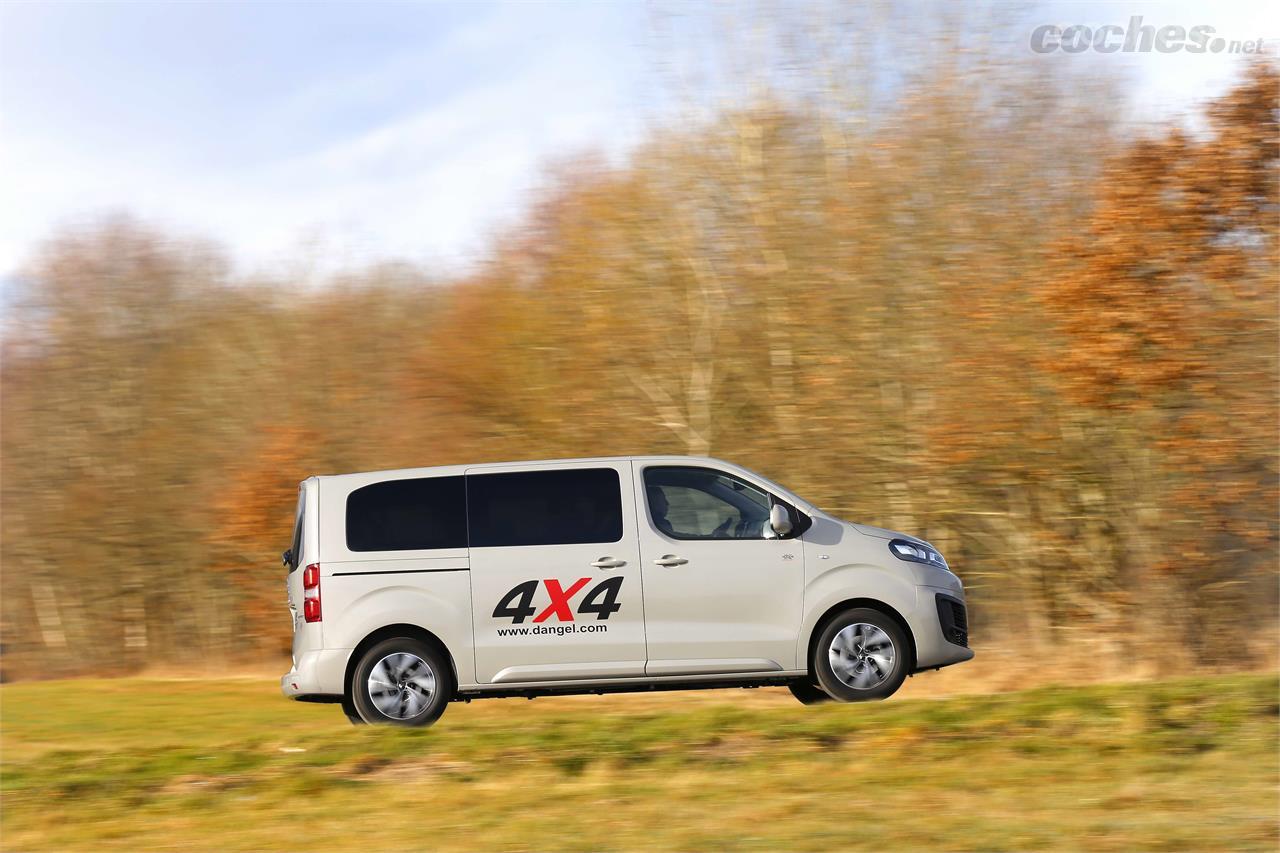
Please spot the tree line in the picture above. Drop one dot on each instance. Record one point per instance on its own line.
(1042, 340)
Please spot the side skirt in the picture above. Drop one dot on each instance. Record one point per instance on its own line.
(773, 679)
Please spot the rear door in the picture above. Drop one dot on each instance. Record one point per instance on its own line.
(303, 551)
(293, 559)
(555, 575)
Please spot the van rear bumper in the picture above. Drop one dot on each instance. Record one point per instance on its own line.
(316, 673)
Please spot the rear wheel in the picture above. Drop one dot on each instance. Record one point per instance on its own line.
(403, 682)
(861, 654)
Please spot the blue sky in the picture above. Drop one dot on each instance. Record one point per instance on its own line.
(363, 131)
(350, 133)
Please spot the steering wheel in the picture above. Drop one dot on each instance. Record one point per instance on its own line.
(723, 528)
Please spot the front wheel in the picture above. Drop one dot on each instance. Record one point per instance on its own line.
(401, 681)
(808, 694)
(861, 654)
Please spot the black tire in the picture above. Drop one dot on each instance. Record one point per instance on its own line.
(408, 662)
(349, 710)
(862, 655)
(807, 693)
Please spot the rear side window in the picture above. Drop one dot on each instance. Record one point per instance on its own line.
(295, 546)
(408, 515)
(567, 507)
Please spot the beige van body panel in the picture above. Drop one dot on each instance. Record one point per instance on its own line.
(306, 636)
(434, 600)
(581, 646)
(843, 562)
(733, 606)
(365, 591)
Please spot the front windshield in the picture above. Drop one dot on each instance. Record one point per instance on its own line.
(783, 492)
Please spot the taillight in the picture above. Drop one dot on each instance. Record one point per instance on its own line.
(311, 593)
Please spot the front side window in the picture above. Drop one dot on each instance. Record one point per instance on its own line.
(564, 507)
(701, 503)
(408, 515)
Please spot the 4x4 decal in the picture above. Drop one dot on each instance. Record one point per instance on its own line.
(517, 604)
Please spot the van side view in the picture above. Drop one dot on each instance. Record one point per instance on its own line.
(413, 588)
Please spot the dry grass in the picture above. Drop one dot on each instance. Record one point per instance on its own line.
(136, 764)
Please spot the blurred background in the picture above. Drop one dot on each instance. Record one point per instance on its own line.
(1023, 305)
(1019, 302)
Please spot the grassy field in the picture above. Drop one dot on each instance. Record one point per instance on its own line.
(136, 764)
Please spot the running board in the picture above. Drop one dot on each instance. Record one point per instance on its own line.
(625, 685)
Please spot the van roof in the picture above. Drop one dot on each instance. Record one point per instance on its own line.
(354, 480)
(445, 470)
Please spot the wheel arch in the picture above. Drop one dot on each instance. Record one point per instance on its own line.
(388, 632)
(849, 604)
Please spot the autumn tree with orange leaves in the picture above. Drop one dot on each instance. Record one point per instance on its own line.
(1166, 301)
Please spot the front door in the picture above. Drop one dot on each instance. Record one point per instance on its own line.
(722, 593)
(555, 573)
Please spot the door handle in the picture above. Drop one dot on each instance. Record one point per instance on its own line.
(670, 560)
(608, 563)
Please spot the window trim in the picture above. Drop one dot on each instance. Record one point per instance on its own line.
(799, 521)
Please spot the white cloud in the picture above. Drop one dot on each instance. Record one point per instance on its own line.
(429, 184)
(458, 137)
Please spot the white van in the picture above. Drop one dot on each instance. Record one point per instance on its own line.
(416, 587)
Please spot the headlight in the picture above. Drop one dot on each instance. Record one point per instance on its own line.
(910, 551)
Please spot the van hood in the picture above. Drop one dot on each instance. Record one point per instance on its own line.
(882, 533)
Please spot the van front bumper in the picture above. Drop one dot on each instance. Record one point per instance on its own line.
(934, 648)
(316, 673)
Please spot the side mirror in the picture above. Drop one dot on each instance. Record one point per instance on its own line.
(287, 557)
(780, 520)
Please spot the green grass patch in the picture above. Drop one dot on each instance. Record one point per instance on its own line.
(230, 765)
